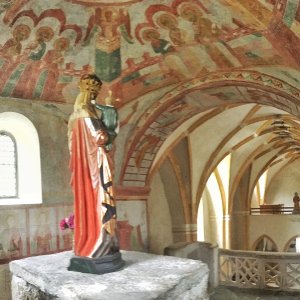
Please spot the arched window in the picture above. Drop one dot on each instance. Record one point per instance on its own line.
(265, 243)
(293, 245)
(8, 166)
(20, 163)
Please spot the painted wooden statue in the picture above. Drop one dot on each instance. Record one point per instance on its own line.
(96, 245)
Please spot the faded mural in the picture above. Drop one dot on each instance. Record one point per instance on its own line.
(12, 235)
(56, 42)
(132, 225)
(32, 230)
(35, 230)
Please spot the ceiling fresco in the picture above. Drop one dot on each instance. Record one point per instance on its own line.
(139, 46)
(168, 61)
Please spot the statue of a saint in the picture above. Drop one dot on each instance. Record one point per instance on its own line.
(96, 245)
(296, 200)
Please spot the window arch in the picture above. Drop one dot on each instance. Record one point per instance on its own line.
(27, 153)
(293, 245)
(8, 166)
(265, 243)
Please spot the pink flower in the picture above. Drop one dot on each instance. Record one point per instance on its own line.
(63, 224)
(67, 222)
(71, 221)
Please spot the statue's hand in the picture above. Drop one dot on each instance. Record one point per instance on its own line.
(101, 138)
(110, 96)
(93, 101)
(108, 147)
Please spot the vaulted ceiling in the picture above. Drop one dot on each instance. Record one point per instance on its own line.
(169, 62)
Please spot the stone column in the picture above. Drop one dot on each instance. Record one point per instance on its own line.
(185, 232)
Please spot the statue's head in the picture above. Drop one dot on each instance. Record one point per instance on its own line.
(90, 83)
(89, 86)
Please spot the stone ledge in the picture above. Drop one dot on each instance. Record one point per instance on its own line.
(144, 276)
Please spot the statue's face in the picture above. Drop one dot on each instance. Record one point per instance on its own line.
(93, 94)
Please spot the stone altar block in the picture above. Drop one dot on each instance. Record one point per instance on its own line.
(144, 276)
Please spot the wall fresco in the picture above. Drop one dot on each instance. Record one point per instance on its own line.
(40, 43)
(132, 225)
(33, 231)
(13, 234)
(192, 38)
(136, 47)
(65, 237)
(43, 230)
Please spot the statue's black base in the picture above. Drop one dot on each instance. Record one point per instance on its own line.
(100, 265)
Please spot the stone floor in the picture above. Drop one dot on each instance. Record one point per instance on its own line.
(230, 293)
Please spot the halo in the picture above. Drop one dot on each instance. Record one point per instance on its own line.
(166, 17)
(147, 31)
(45, 30)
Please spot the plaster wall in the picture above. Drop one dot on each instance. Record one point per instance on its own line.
(5, 279)
(160, 223)
(238, 162)
(256, 170)
(207, 211)
(172, 192)
(280, 228)
(201, 148)
(283, 186)
(239, 215)
(51, 125)
(212, 220)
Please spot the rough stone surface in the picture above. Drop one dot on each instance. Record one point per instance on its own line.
(23, 290)
(144, 276)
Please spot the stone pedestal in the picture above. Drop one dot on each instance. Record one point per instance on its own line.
(144, 276)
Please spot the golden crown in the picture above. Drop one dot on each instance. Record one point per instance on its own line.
(90, 83)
